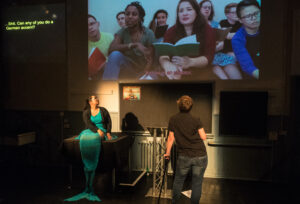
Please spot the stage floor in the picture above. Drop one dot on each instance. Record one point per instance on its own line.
(49, 185)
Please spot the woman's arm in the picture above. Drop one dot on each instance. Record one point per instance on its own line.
(87, 121)
(147, 51)
(187, 62)
(106, 118)
(171, 70)
(117, 45)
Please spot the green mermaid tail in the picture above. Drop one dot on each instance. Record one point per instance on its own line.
(77, 197)
(88, 192)
(90, 147)
(93, 197)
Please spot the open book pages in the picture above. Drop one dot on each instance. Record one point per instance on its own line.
(186, 40)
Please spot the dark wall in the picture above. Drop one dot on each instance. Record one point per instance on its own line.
(158, 103)
(77, 37)
(294, 132)
(38, 85)
(51, 127)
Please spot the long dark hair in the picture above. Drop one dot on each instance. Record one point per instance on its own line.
(152, 24)
(140, 9)
(87, 102)
(212, 11)
(198, 25)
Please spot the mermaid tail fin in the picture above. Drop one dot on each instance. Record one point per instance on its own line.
(93, 197)
(79, 196)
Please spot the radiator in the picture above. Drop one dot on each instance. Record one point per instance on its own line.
(115, 122)
(142, 154)
(146, 156)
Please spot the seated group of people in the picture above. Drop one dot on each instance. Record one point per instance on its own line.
(130, 53)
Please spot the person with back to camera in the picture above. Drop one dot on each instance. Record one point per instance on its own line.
(131, 50)
(189, 22)
(158, 24)
(188, 132)
(246, 41)
(225, 66)
(121, 19)
(98, 127)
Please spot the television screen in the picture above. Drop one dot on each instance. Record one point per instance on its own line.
(173, 40)
(33, 33)
(243, 114)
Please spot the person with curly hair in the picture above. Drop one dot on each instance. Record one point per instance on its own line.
(189, 134)
(131, 53)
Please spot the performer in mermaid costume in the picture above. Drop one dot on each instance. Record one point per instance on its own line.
(98, 127)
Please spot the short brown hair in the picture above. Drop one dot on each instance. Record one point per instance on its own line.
(185, 103)
(229, 6)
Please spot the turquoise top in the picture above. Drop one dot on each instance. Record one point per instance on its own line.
(97, 120)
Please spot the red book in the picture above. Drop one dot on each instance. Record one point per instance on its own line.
(96, 61)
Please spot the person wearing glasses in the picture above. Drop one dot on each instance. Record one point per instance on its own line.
(97, 40)
(208, 12)
(246, 41)
(98, 127)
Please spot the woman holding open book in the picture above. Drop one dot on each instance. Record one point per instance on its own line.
(189, 23)
(130, 51)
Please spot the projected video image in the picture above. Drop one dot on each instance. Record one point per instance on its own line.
(173, 40)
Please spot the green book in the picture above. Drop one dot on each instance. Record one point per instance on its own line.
(185, 47)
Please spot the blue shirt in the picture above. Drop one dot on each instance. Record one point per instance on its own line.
(246, 53)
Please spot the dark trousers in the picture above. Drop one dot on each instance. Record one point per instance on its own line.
(184, 164)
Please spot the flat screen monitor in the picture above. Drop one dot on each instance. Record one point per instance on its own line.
(243, 114)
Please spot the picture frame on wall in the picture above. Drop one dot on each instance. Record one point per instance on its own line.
(132, 93)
